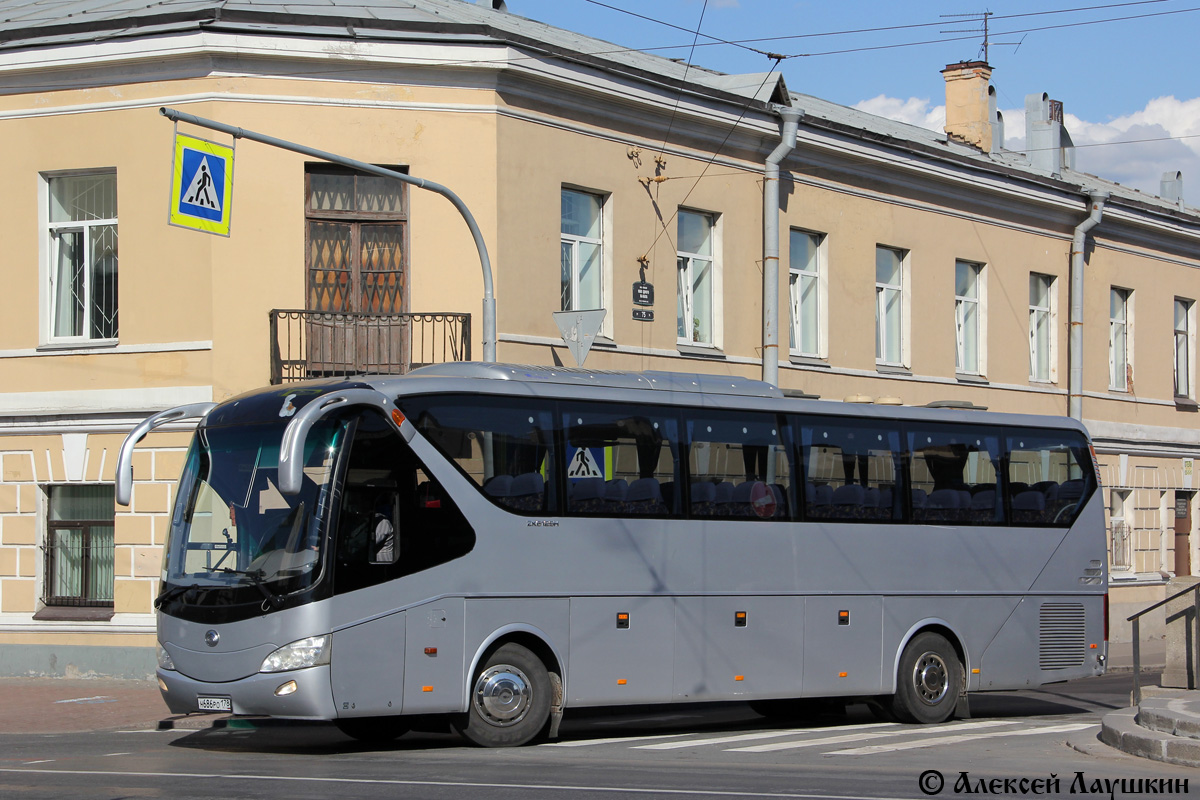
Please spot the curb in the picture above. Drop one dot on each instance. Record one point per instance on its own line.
(1121, 730)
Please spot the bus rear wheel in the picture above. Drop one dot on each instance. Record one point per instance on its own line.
(510, 699)
(928, 681)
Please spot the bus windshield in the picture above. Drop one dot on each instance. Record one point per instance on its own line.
(233, 528)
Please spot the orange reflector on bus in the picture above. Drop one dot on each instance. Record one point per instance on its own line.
(397, 417)
(621, 681)
(975, 671)
(843, 674)
(431, 651)
(1093, 646)
(426, 688)
(739, 677)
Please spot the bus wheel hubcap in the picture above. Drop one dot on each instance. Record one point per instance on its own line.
(929, 678)
(503, 695)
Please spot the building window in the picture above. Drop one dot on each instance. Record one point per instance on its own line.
(1041, 327)
(1183, 348)
(1118, 339)
(806, 293)
(582, 251)
(82, 222)
(967, 315)
(889, 305)
(696, 278)
(357, 226)
(79, 546)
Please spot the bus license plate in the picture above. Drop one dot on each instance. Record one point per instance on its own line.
(215, 703)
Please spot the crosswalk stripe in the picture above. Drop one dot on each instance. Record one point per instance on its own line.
(615, 740)
(752, 736)
(957, 739)
(843, 739)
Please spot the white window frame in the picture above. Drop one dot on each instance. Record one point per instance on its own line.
(574, 240)
(882, 291)
(48, 244)
(1124, 325)
(961, 304)
(818, 273)
(1185, 339)
(687, 263)
(1050, 311)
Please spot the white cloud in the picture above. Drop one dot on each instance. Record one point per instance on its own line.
(1112, 149)
(914, 111)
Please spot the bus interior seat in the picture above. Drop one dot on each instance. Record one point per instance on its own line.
(498, 486)
(586, 495)
(645, 497)
(527, 493)
(1029, 506)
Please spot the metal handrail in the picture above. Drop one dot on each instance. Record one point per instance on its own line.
(1137, 653)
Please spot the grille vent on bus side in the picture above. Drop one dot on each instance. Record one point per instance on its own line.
(1061, 635)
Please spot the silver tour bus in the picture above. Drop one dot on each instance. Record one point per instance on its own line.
(492, 544)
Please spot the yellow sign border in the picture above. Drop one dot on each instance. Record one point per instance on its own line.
(176, 216)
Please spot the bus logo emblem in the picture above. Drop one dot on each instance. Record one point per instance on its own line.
(211, 638)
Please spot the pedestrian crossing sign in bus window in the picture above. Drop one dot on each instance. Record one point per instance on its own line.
(201, 185)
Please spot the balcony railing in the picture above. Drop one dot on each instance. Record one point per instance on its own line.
(319, 344)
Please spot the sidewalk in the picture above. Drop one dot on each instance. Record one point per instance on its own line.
(63, 705)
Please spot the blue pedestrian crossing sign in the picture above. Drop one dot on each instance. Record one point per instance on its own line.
(201, 185)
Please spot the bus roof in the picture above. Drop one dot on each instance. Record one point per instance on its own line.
(610, 379)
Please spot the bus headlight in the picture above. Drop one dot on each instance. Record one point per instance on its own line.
(310, 652)
(164, 658)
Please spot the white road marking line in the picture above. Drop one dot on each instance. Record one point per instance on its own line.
(110, 755)
(888, 748)
(43, 761)
(558, 788)
(100, 698)
(614, 740)
(745, 737)
(911, 731)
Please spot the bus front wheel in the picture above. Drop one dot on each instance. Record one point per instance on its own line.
(510, 699)
(928, 681)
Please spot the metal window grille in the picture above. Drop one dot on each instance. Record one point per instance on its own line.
(79, 568)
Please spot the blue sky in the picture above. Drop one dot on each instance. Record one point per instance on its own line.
(1136, 77)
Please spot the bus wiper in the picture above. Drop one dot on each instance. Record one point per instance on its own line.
(256, 577)
(172, 593)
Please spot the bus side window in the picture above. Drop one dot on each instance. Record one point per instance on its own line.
(851, 470)
(621, 460)
(504, 445)
(954, 474)
(738, 466)
(1050, 475)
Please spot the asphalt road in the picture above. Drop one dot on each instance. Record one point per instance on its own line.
(680, 752)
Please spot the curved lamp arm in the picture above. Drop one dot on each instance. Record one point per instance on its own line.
(125, 458)
(291, 448)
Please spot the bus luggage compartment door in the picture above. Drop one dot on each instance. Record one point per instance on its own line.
(367, 668)
(728, 647)
(622, 650)
(843, 645)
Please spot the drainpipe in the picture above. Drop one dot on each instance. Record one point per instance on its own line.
(1075, 346)
(787, 140)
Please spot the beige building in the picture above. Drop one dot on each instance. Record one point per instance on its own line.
(911, 265)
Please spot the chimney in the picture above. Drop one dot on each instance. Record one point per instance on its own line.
(1048, 142)
(1170, 188)
(968, 104)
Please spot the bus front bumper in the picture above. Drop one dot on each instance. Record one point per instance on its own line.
(262, 694)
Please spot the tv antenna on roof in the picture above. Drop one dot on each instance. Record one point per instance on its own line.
(981, 18)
